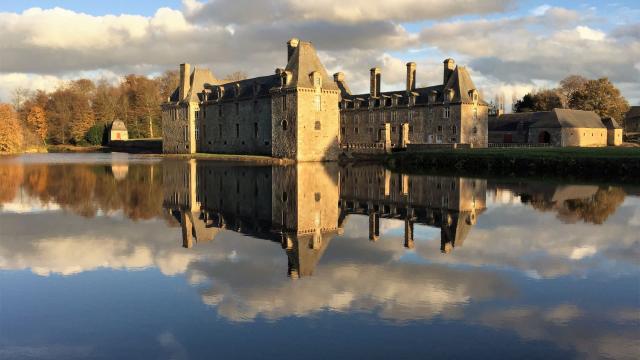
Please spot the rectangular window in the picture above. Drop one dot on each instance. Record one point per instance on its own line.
(318, 102)
(342, 130)
(454, 129)
(255, 130)
(186, 133)
(318, 126)
(197, 134)
(237, 130)
(356, 130)
(445, 112)
(284, 102)
(475, 114)
(197, 115)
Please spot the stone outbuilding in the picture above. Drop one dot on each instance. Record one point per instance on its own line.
(559, 127)
(632, 120)
(614, 132)
(118, 131)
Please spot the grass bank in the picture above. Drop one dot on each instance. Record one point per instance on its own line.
(619, 163)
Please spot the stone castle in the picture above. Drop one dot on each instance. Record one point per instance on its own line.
(301, 113)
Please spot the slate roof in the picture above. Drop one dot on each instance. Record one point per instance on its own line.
(248, 88)
(566, 118)
(460, 81)
(610, 123)
(199, 77)
(510, 122)
(302, 63)
(118, 125)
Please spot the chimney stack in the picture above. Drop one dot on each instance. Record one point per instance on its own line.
(338, 77)
(291, 47)
(411, 76)
(376, 78)
(449, 66)
(185, 80)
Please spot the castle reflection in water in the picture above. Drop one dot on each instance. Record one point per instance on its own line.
(305, 205)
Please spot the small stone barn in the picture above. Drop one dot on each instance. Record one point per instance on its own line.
(559, 127)
(118, 131)
(614, 132)
(632, 120)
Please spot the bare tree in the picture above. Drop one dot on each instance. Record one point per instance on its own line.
(236, 76)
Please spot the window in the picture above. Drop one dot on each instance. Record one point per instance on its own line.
(220, 130)
(439, 128)
(445, 112)
(220, 110)
(318, 102)
(410, 129)
(475, 114)
(284, 125)
(454, 129)
(197, 115)
(317, 196)
(255, 130)
(284, 103)
(393, 129)
(237, 130)
(197, 134)
(356, 130)
(474, 130)
(342, 130)
(317, 125)
(237, 108)
(186, 133)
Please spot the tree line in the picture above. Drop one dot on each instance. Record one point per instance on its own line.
(579, 93)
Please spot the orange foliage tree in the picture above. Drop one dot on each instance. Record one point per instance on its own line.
(10, 130)
(37, 122)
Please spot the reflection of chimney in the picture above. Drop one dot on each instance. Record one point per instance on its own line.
(411, 76)
(185, 75)
(449, 66)
(187, 231)
(376, 77)
(408, 234)
(374, 226)
(291, 47)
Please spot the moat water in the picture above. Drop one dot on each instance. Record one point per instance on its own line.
(110, 256)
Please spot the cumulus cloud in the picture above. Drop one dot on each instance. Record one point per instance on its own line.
(504, 52)
(235, 11)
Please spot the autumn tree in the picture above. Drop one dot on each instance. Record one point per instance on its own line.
(10, 130)
(568, 86)
(37, 122)
(167, 83)
(543, 100)
(106, 102)
(602, 97)
(143, 99)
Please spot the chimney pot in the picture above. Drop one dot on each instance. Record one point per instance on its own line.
(291, 47)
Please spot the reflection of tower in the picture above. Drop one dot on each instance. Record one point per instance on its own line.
(305, 211)
(180, 184)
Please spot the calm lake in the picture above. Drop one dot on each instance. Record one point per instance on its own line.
(112, 256)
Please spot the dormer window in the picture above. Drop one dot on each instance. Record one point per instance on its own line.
(316, 79)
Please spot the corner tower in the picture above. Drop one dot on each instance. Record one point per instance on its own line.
(305, 113)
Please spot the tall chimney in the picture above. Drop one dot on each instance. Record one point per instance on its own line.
(338, 77)
(291, 47)
(411, 76)
(185, 79)
(449, 66)
(376, 78)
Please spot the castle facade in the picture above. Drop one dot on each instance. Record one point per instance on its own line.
(303, 114)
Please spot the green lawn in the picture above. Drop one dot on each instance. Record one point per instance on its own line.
(536, 153)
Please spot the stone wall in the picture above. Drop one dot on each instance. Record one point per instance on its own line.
(236, 127)
(317, 129)
(284, 125)
(177, 120)
(614, 137)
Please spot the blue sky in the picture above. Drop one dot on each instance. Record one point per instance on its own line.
(510, 46)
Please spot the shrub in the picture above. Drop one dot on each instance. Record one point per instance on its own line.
(95, 135)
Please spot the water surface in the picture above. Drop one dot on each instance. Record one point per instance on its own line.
(114, 256)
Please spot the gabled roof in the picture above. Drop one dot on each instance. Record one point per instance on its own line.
(510, 122)
(610, 123)
(461, 83)
(567, 118)
(118, 125)
(198, 79)
(302, 63)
